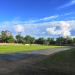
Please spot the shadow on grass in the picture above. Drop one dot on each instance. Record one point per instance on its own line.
(62, 63)
(19, 56)
(19, 63)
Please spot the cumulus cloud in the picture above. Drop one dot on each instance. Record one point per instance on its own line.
(54, 28)
(53, 31)
(64, 29)
(19, 28)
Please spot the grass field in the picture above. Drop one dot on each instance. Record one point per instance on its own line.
(62, 63)
(9, 48)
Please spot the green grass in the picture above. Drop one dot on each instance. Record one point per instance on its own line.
(22, 48)
(60, 58)
(62, 63)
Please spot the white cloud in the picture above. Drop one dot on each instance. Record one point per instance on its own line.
(72, 2)
(19, 28)
(53, 31)
(64, 29)
(49, 18)
(67, 14)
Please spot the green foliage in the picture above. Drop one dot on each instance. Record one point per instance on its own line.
(40, 41)
(29, 40)
(50, 41)
(3, 36)
(74, 40)
(19, 39)
(64, 41)
(7, 37)
(10, 39)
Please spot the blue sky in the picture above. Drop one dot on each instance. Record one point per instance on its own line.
(39, 18)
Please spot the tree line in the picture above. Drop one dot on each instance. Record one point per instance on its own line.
(7, 37)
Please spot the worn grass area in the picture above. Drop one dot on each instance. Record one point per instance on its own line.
(9, 48)
(62, 63)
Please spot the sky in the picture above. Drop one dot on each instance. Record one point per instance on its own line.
(38, 18)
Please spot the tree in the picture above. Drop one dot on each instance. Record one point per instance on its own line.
(50, 41)
(7, 37)
(3, 36)
(73, 41)
(60, 41)
(64, 41)
(40, 41)
(69, 41)
(29, 40)
(10, 39)
(19, 39)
